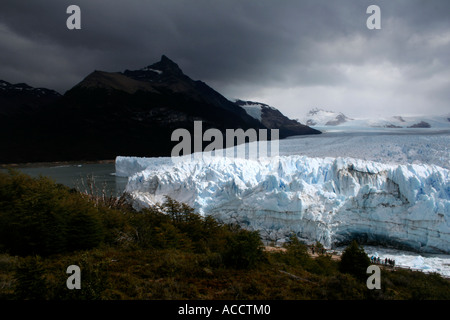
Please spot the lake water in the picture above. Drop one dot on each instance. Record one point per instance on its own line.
(77, 175)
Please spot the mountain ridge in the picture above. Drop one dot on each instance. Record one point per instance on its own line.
(129, 113)
(320, 118)
(19, 98)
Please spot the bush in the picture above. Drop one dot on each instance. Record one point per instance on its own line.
(342, 286)
(30, 282)
(94, 278)
(40, 217)
(355, 261)
(244, 249)
(297, 251)
(323, 265)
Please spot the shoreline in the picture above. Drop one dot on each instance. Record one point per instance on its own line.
(54, 163)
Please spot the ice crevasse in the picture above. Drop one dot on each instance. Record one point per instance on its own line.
(330, 200)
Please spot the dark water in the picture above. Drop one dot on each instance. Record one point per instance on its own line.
(77, 176)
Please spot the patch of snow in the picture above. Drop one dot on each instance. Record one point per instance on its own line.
(253, 109)
(150, 69)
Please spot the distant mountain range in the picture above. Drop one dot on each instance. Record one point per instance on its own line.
(120, 113)
(319, 118)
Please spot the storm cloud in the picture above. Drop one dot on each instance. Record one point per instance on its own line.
(292, 54)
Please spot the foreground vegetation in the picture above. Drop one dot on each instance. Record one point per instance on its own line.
(166, 252)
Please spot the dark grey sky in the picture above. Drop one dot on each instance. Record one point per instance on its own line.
(292, 54)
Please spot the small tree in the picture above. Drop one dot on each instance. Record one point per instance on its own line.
(244, 249)
(296, 248)
(319, 248)
(297, 252)
(354, 261)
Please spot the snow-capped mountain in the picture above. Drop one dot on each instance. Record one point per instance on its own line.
(272, 118)
(411, 122)
(321, 118)
(320, 199)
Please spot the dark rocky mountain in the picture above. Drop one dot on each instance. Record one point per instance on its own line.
(130, 113)
(272, 118)
(421, 124)
(20, 98)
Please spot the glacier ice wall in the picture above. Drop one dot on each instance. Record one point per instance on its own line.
(320, 199)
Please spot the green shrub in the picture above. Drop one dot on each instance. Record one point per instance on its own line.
(244, 249)
(38, 216)
(297, 252)
(342, 287)
(323, 265)
(355, 261)
(30, 279)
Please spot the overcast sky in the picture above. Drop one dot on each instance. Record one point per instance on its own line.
(291, 54)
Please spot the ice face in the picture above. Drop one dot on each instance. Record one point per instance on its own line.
(319, 199)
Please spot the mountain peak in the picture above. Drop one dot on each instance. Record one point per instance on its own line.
(165, 59)
(165, 64)
(156, 72)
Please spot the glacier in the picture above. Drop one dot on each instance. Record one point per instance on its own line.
(393, 146)
(326, 199)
